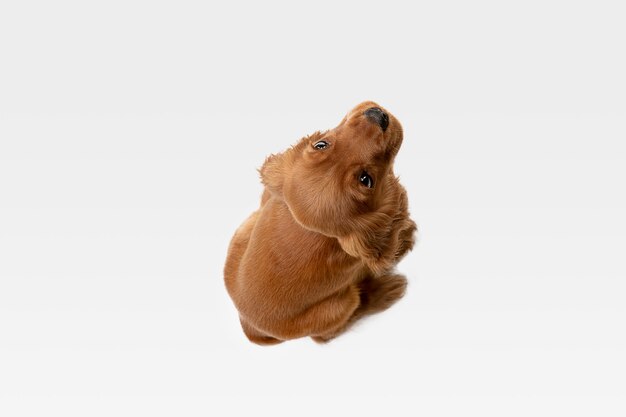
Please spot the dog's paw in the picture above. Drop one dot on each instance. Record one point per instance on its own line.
(380, 293)
(373, 252)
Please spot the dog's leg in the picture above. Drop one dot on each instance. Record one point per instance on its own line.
(255, 336)
(380, 293)
(381, 239)
(376, 294)
(327, 316)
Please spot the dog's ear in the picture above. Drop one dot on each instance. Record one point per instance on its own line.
(278, 166)
(383, 237)
(273, 173)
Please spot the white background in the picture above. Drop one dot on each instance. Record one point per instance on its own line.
(130, 134)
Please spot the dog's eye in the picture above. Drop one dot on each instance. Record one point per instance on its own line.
(366, 180)
(322, 144)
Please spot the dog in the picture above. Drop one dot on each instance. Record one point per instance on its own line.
(333, 222)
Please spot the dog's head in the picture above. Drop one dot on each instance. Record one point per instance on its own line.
(331, 178)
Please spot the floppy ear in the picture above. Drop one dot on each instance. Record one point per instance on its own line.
(273, 173)
(383, 237)
(277, 166)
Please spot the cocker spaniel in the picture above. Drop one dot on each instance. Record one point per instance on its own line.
(333, 222)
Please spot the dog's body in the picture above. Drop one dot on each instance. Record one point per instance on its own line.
(333, 223)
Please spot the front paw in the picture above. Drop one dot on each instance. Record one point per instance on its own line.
(382, 242)
(373, 252)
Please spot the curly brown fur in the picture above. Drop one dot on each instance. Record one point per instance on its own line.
(319, 253)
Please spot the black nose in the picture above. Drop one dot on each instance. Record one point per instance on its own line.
(377, 116)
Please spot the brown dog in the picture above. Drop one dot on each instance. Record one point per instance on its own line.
(333, 222)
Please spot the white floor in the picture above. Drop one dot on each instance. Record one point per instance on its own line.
(129, 141)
